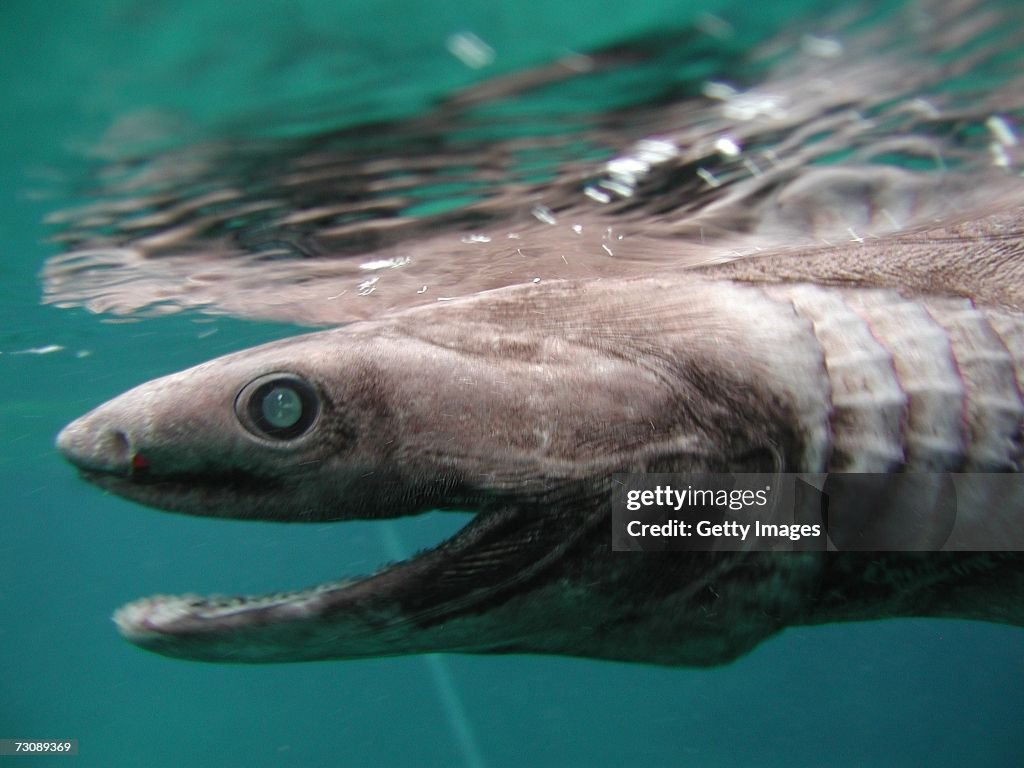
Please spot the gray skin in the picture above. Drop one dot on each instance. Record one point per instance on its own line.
(518, 404)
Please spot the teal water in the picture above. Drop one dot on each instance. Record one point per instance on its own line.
(934, 693)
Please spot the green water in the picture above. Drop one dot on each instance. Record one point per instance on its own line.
(898, 693)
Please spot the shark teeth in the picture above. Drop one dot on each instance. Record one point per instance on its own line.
(158, 614)
(145, 616)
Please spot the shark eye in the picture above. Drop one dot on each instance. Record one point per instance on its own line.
(280, 406)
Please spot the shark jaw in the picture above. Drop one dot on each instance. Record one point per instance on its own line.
(263, 627)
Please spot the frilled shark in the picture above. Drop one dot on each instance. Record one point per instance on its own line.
(761, 345)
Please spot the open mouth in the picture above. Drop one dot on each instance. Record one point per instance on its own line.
(441, 599)
(298, 624)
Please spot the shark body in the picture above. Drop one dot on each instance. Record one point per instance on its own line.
(802, 257)
(519, 404)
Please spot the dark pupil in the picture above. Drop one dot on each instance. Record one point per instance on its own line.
(283, 408)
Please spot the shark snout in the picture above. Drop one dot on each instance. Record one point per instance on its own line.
(96, 447)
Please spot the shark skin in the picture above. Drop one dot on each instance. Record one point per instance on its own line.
(519, 404)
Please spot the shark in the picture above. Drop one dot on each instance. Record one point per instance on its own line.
(519, 405)
(722, 295)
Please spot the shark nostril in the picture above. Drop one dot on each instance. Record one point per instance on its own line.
(119, 448)
(123, 457)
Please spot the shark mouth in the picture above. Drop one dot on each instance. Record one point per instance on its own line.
(430, 602)
(296, 625)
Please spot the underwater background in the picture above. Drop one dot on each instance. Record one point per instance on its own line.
(937, 693)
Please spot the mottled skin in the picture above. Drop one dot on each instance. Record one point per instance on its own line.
(518, 404)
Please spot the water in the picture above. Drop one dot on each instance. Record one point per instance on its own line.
(938, 693)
